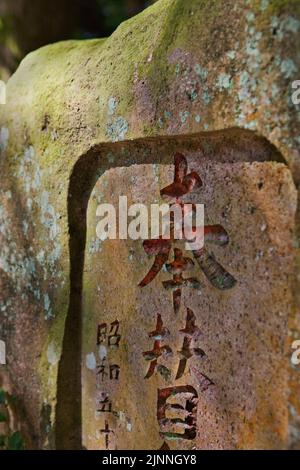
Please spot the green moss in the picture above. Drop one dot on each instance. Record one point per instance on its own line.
(68, 97)
(277, 7)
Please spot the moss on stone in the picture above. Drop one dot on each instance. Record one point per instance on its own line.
(152, 77)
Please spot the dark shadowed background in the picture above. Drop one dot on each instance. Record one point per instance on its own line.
(26, 25)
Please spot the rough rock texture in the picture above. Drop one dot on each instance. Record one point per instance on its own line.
(176, 69)
(243, 330)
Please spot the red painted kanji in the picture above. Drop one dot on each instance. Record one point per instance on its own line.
(182, 400)
(184, 183)
(177, 268)
(159, 334)
(191, 333)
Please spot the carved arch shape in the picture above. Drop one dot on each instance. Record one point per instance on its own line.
(224, 146)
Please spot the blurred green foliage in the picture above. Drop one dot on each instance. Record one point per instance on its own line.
(10, 440)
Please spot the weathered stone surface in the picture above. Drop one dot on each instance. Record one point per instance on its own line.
(178, 68)
(243, 330)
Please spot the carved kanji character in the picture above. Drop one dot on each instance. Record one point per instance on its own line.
(101, 369)
(114, 372)
(104, 403)
(101, 333)
(112, 335)
(191, 332)
(159, 334)
(184, 184)
(177, 267)
(181, 400)
(106, 431)
(160, 248)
